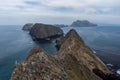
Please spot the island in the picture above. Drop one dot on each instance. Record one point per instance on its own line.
(41, 31)
(73, 61)
(82, 23)
(77, 23)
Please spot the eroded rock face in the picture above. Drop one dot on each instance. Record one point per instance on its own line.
(83, 23)
(27, 26)
(74, 61)
(44, 31)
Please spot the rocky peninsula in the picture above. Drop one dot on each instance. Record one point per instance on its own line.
(73, 61)
(41, 31)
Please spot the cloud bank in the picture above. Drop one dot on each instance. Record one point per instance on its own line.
(59, 11)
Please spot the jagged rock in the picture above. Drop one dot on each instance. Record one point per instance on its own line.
(43, 31)
(74, 61)
(83, 23)
(27, 26)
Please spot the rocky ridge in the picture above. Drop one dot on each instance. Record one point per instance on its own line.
(74, 61)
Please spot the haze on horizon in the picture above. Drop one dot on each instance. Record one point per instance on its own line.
(59, 11)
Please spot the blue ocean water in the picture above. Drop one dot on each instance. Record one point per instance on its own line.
(15, 45)
(101, 37)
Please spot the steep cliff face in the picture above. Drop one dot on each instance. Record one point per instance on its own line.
(74, 61)
(44, 31)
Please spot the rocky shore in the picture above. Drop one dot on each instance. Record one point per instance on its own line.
(74, 61)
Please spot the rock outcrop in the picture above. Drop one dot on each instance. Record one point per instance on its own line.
(74, 61)
(83, 23)
(27, 26)
(45, 32)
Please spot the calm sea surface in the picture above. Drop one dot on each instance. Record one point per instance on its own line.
(15, 45)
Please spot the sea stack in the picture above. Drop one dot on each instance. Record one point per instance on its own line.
(45, 32)
(74, 61)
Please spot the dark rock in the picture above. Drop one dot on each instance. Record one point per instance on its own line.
(74, 61)
(106, 76)
(27, 26)
(83, 23)
(45, 32)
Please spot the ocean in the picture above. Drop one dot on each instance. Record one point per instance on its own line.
(15, 45)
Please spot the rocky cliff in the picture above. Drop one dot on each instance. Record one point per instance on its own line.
(84, 23)
(43, 31)
(27, 26)
(74, 61)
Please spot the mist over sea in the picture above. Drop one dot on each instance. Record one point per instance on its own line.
(15, 45)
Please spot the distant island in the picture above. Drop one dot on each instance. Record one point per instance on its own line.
(61, 25)
(77, 23)
(82, 23)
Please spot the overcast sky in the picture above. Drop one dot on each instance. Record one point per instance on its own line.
(59, 11)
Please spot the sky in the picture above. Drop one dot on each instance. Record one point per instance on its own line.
(14, 12)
